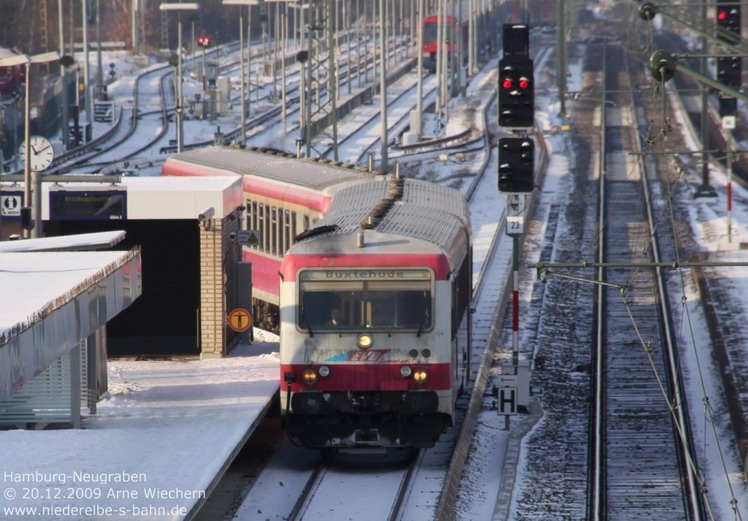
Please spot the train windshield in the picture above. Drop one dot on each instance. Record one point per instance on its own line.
(431, 32)
(379, 299)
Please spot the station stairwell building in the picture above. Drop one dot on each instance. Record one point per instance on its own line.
(191, 264)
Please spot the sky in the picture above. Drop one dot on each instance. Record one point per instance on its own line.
(165, 427)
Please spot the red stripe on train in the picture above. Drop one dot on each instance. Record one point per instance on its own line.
(264, 272)
(252, 185)
(368, 377)
(288, 193)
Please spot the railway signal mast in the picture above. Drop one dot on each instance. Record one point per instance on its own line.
(516, 164)
(729, 68)
(516, 79)
(516, 180)
(516, 92)
(516, 114)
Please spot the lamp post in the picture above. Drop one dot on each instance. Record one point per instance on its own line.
(283, 30)
(179, 108)
(241, 3)
(419, 80)
(86, 74)
(383, 84)
(301, 57)
(63, 74)
(23, 59)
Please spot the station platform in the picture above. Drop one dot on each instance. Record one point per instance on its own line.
(154, 450)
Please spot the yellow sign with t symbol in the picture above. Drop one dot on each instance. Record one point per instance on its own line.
(240, 320)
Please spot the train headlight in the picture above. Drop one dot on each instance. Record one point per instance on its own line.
(310, 377)
(405, 371)
(420, 376)
(324, 371)
(365, 341)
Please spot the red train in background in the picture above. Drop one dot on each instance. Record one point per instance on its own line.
(11, 78)
(456, 35)
(537, 13)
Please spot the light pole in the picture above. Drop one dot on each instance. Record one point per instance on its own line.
(282, 29)
(383, 83)
(86, 74)
(23, 59)
(100, 65)
(419, 79)
(299, 22)
(63, 74)
(179, 109)
(241, 3)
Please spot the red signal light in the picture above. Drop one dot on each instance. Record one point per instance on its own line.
(722, 15)
(524, 83)
(508, 83)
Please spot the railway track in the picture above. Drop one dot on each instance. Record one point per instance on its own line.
(632, 468)
(113, 153)
(641, 453)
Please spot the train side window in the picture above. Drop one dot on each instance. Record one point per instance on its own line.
(286, 231)
(294, 216)
(252, 220)
(261, 224)
(274, 230)
(281, 231)
(266, 230)
(306, 223)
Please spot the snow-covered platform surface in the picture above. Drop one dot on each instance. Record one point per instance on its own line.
(153, 449)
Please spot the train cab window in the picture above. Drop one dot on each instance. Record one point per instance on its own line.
(413, 308)
(431, 32)
(375, 299)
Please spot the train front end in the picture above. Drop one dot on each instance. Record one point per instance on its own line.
(366, 352)
(451, 35)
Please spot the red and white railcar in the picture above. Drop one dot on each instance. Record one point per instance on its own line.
(391, 262)
(455, 36)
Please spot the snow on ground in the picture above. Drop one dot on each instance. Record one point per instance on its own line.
(150, 452)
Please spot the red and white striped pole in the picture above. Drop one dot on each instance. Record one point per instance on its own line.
(729, 198)
(515, 302)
